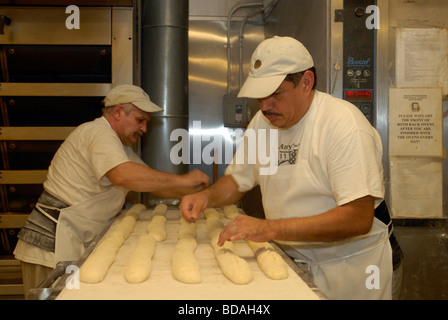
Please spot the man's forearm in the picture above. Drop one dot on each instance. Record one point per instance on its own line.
(352, 219)
(342, 222)
(225, 191)
(140, 178)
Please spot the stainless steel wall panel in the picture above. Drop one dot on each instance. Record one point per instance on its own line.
(208, 82)
(308, 22)
(216, 9)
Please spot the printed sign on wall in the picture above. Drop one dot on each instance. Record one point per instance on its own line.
(415, 122)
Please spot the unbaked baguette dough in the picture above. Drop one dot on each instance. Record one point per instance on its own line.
(156, 228)
(95, 268)
(214, 227)
(160, 209)
(139, 267)
(184, 266)
(231, 211)
(212, 213)
(233, 267)
(269, 261)
(135, 210)
(186, 229)
(213, 222)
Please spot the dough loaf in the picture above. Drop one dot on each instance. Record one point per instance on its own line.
(184, 266)
(212, 213)
(269, 261)
(160, 209)
(231, 211)
(156, 228)
(233, 267)
(139, 267)
(186, 229)
(135, 210)
(95, 268)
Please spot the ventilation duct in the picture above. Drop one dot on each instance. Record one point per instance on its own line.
(164, 75)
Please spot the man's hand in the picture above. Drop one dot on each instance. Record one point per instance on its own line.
(246, 227)
(196, 179)
(192, 206)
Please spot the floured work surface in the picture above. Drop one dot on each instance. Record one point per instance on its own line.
(161, 284)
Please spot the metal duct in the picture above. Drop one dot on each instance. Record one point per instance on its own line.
(164, 75)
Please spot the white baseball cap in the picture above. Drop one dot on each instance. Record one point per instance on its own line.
(127, 93)
(271, 62)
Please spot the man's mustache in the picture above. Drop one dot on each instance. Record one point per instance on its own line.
(270, 113)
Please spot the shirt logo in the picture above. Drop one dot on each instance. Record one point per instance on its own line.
(287, 154)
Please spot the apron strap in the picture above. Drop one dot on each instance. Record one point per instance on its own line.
(40, 206)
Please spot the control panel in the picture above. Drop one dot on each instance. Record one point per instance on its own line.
(359, 56)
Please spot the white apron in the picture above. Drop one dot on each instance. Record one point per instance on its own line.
(78, 225)
(340, 269)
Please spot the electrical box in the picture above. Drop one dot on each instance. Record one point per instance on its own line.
(236, 111)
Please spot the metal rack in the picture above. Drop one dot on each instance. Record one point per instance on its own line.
(107, 31)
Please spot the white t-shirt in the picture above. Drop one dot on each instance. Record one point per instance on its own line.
(330, 157)
(77, 171)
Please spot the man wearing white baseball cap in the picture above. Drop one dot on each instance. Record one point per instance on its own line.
(319, 204)
(88, 180)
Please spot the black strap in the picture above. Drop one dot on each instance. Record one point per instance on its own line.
(382, 214)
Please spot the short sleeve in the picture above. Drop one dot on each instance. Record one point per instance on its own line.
(105, 152)
(354, 165)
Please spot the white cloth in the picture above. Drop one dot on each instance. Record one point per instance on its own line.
(332, 156)
(77, 171)
(343, 150)
(28, 253)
